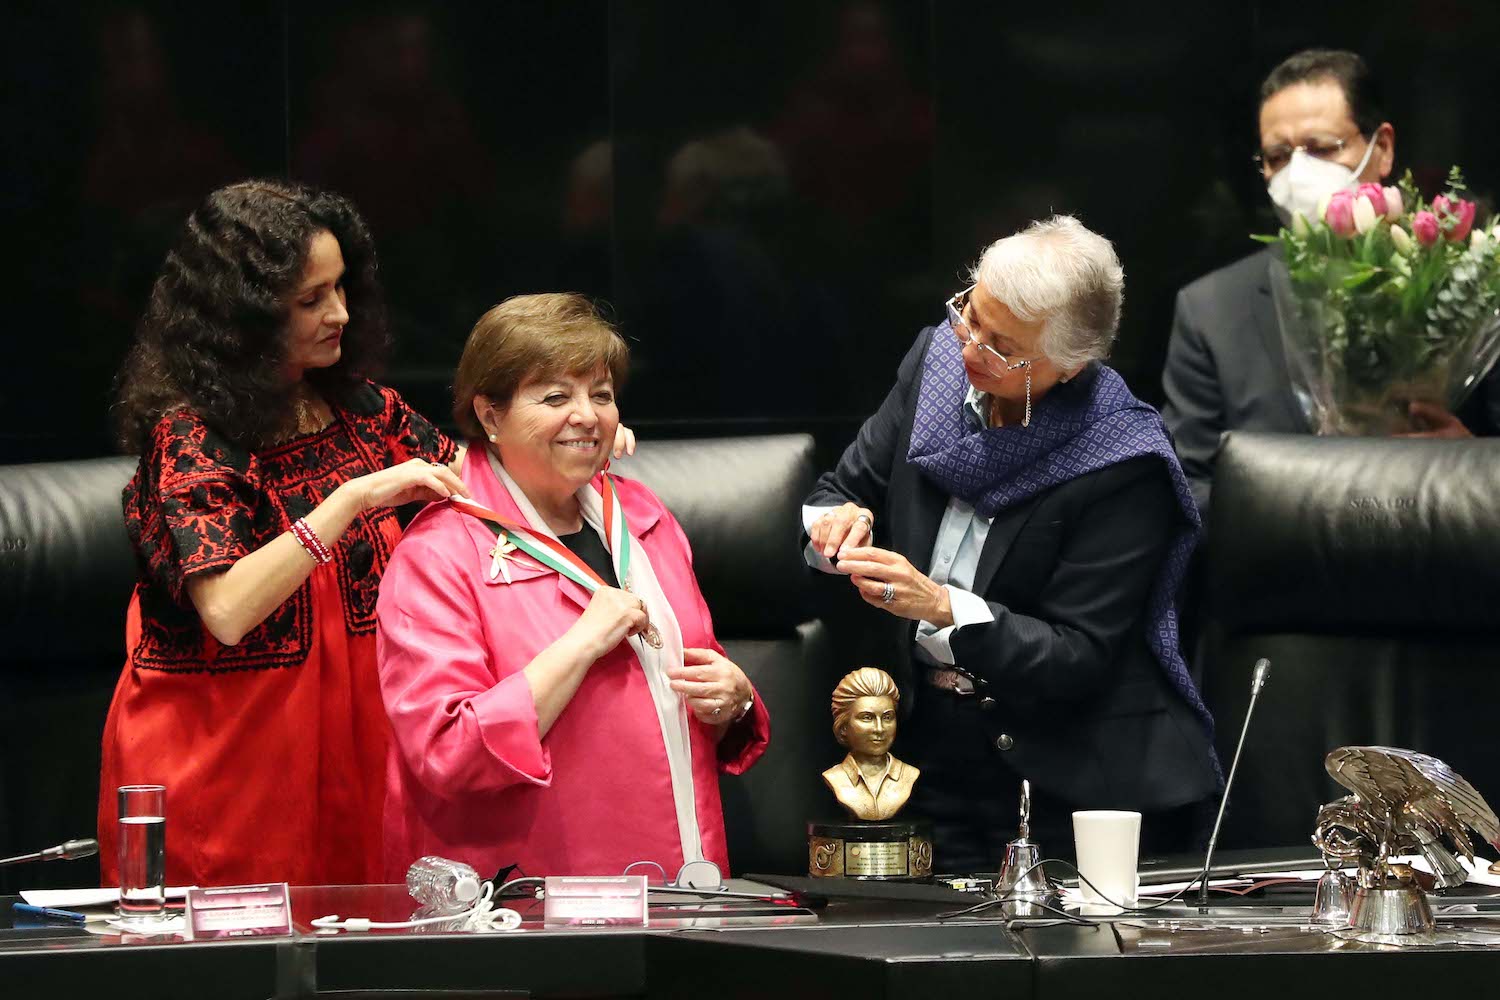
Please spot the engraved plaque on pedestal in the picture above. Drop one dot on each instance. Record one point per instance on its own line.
(896, 849)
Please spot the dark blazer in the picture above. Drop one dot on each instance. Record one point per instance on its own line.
(1226, 370)
(1088, 709)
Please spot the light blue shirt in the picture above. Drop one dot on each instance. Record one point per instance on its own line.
(954, 561)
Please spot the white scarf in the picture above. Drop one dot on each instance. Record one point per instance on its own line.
(671, 712)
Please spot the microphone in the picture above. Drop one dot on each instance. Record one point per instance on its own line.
(68, 850)
(1258, 681)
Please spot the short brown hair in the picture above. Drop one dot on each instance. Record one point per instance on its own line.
(533, 336)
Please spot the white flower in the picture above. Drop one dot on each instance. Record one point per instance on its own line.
(1300, 227)
(1364, 215)
(1477, 239)
(1323, 207)
(1400, 240)
(1394, 205)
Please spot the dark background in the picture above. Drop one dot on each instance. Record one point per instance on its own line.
(772, 197)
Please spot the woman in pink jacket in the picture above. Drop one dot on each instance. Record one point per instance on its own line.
(557, 698)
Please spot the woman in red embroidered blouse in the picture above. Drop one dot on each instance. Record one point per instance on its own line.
(262, 515)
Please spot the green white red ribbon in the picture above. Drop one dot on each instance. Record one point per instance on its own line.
(557, 557)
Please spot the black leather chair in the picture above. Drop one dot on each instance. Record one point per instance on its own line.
(1368, 571)
(66, 571)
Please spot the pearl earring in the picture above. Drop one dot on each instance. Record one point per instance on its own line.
(494, 438)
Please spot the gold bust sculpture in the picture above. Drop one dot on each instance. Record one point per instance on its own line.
(870, 782)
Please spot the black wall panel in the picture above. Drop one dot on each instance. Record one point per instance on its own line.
(772, 197)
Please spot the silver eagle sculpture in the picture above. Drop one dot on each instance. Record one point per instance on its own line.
(1404, 803)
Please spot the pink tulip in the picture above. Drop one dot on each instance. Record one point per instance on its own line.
(1395, 205)
(1424, 226)
(1340, 213)
(1461, 212)
(1376, 194)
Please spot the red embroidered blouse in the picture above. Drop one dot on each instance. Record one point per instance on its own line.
(272, 750)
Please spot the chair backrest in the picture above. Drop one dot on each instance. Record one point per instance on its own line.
(66, 572)
(1368, 571)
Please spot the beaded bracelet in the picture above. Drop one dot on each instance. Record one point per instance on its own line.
(311, 542)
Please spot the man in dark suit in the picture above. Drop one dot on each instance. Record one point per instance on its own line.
(1051, 522)
(1322, 128)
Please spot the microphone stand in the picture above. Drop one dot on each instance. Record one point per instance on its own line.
(1258, 681)
(68, 850)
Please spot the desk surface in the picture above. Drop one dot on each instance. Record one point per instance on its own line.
(867, 948)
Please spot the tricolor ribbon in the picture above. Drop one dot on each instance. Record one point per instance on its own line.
(557, 557)
(617, 537)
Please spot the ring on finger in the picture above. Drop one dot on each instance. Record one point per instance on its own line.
(888, 594)
(718, 710)
(865, 518)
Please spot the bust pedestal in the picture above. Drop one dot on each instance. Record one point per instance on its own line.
(896, 850)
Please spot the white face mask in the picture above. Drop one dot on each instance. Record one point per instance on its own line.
(1305, 181)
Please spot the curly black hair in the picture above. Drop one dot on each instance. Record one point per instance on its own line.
(213, 336)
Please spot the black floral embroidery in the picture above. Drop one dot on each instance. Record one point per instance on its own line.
(198, 504)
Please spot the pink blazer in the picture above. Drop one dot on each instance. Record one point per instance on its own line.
(468, 777)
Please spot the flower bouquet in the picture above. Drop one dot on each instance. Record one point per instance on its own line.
(1386, 300)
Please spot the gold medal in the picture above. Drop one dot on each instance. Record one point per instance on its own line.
(650, 633)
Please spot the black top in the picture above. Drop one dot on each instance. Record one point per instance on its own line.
(588, 546)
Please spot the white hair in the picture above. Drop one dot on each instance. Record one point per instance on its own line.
(1063, 275)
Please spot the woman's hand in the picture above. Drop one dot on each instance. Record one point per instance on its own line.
(612, 615)
(1434, 421)
(624, 441)
(406, 483)
(844, 526)
(912, 594)
(711, 684)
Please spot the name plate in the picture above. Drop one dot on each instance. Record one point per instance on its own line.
(875, 858)
(239, 911)
(618, 900)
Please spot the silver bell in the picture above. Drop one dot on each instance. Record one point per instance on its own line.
(1021, 877)
(1333, 899)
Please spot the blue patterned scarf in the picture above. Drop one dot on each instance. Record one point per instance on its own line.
(1077, 428)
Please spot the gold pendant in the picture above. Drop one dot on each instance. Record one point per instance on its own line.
(652, 635)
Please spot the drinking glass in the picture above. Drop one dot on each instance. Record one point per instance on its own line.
(143, 852)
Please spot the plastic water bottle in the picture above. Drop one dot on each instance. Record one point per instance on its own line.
(442, 886)
(456, 922)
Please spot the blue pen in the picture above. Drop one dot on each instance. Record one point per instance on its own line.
(48, 913)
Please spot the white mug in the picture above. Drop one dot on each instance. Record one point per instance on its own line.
(1108, 843)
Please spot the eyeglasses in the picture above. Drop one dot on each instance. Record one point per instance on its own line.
(1322, 147)
(967, 336)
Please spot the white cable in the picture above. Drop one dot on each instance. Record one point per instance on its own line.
(483, 916)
